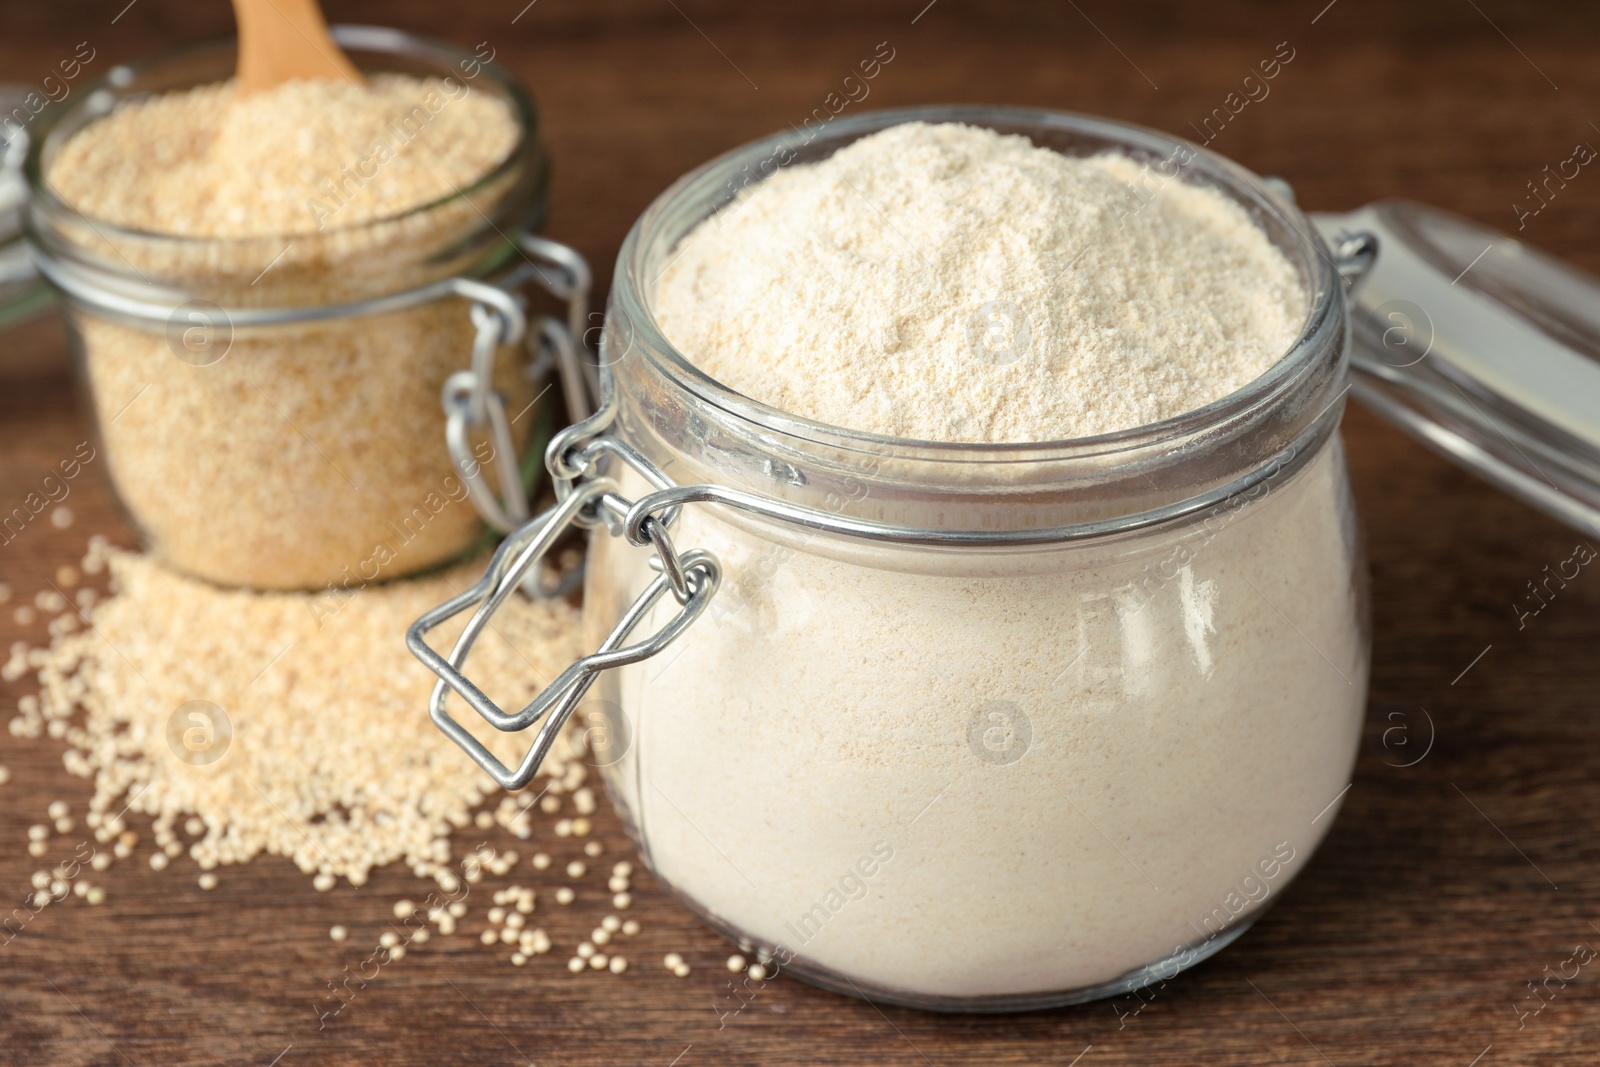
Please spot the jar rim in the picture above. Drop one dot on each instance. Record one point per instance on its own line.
(633, 290)
(360, 39)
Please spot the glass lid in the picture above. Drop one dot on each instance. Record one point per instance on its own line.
(1486, 350)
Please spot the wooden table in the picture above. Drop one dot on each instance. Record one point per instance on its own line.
(1445, 886)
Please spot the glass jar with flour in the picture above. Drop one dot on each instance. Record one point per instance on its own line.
(987, 703)
(280, 302)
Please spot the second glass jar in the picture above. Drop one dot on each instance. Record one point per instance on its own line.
(308, 452)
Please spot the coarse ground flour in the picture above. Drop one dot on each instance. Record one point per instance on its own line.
(1019, 771)
(304, 455)
(297, 158)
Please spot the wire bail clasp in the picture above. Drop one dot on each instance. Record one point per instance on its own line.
(469, 397)
(698, 573)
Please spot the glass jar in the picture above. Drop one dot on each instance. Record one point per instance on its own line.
(958, 726)
(269, 408)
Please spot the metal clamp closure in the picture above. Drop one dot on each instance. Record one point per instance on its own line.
(693, 578)
(469, 398)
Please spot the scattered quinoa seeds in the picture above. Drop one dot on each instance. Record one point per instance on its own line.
(92, 710)
(334, 693)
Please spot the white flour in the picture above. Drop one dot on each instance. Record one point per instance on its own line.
(1045, 770)
(949, 283)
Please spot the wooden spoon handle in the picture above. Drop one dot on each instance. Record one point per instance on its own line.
(285, 40)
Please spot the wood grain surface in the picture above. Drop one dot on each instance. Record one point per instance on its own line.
(1445, 886)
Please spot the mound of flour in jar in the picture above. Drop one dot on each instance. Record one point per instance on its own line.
(950, 283)
(1028, 771)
